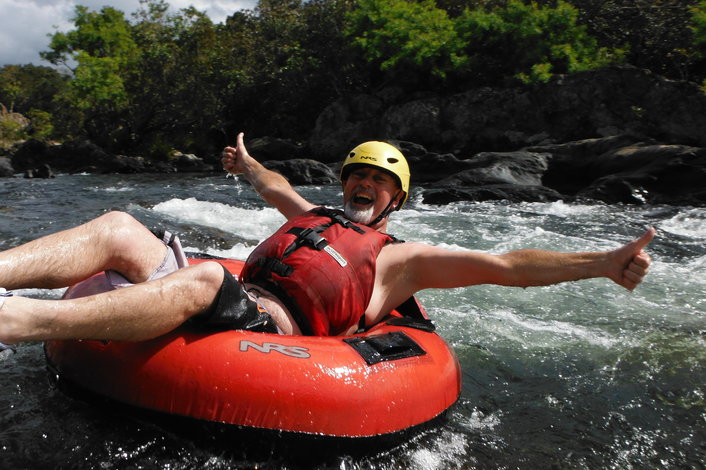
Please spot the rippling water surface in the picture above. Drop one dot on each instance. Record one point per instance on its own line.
(580, 375)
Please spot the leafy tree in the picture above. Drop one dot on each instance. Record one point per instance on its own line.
(31, 91)
(176, 89)
(10, 89)
(11, 129)
(103, 48)
(279, 63)
(102, 53)
(529, 41)
(655, 33)
(290, 59)
(698, 29)
(405, 36)
(41, 126)
(143, 87)
(23, 87)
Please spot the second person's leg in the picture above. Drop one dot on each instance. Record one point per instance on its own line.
(135, 313)
(112, 241)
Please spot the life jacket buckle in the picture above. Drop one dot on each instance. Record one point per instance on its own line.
(312, 238)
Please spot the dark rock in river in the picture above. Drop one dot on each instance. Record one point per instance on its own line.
(430, 167)
(303, 171)
(566, 172)
(85, 156)
(44, 171)
(616, 169)
(29, 155)
(672, 174)
(80, 155)
(188, 162)
(521, 168)
(6, 169)
(271, 148)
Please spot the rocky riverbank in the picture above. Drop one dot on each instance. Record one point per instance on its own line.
(617, 135)
(625, 168)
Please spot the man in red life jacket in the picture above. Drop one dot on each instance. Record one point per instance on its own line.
(160, 297)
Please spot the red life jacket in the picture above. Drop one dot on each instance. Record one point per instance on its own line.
(322, 267)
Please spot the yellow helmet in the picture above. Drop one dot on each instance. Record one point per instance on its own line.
(381, 155)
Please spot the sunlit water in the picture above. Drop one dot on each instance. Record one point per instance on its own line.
(580, 375)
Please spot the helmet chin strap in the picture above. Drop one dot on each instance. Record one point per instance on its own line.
(385, 212)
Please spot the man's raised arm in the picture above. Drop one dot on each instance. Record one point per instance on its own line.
(272, 187)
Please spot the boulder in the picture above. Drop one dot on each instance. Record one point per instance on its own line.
(657, 174)
(82, 155)
(29, 155)
(418, 121)
(271, 148)
(521, 168)
(6, 169)
(189, 162)
(431, 167)
(44, 171)
(126, 164)
(567, 172)
(303, 171)
(613, 190)
(345, 124)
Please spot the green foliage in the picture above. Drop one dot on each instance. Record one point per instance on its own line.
(10, 89)
(31, 91)
(654, 33)
(40, 127)
(23, 87)
(400, 33)
(530, 41)
(103, 47)
(526, 40)
(98, 80)
(291, 60)
(698, 27)
(11, 130)
(176, 87)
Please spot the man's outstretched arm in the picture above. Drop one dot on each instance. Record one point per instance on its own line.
(272, 187)
(432, 267)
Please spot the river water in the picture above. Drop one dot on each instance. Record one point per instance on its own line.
(578, 375)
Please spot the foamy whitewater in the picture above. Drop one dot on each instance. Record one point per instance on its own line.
(578, 375)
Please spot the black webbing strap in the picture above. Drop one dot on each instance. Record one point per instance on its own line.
(337, 217)
(361, 324)
(311, 236)
(162, 235)
(307, 236)
(276, 266)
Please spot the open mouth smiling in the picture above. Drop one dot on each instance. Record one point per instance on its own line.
(362, 199)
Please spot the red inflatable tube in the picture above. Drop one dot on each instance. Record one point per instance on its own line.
(383, 381)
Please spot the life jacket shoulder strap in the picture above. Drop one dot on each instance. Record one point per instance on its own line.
(338, 217)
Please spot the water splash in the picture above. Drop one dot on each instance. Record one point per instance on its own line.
(689, 223)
